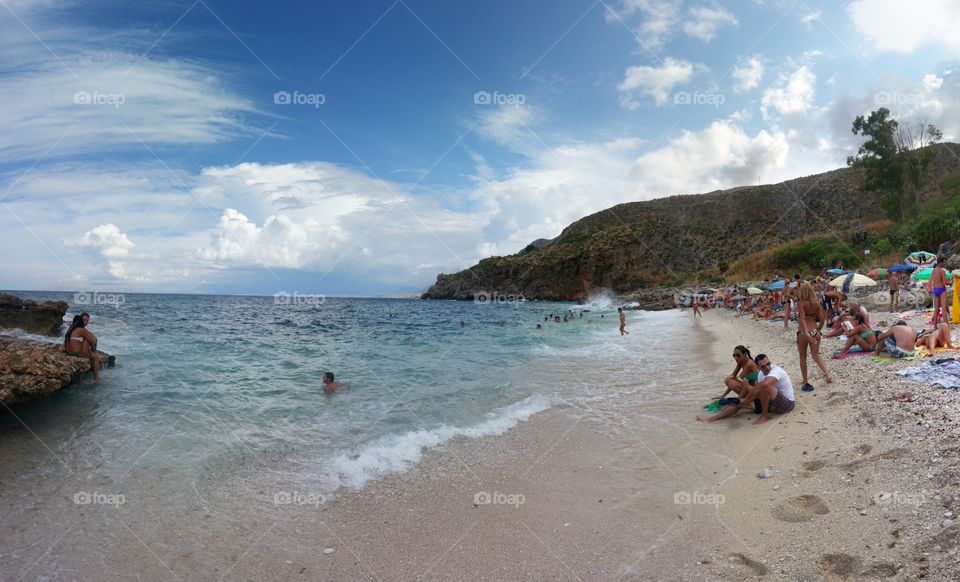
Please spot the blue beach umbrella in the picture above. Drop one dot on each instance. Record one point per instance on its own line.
(835, 271)
(901, 268)
(777, 285)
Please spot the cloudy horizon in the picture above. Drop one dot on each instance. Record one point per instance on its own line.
(214, 147)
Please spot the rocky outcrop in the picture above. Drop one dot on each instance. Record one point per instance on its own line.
(30, 369)
(44, 318)
(669, 241)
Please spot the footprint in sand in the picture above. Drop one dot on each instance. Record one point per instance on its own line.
(862, 449)
(842, 565)
(891, 454)
(756, 567)
(802, 508)
(814, 465)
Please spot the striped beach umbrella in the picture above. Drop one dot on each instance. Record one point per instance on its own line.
(920, 259)
(877, 272)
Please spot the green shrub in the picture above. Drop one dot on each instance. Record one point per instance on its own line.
(815, 254)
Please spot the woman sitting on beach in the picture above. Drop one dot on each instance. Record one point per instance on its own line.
(939, 337)
(860, 334)
(810, 317)
(744, 375)
(80, 343)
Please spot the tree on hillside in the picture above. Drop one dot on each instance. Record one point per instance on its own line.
(895, 158)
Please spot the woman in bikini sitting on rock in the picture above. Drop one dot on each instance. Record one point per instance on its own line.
(80, 343)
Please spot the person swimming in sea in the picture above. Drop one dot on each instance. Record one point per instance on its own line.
(80, 343)
(329, 384)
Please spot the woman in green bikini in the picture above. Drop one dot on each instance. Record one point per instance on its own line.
(860, 335)
(80, 343)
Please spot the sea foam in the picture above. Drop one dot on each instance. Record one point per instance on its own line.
(397, 453)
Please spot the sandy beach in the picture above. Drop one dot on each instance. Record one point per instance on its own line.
(862, 485)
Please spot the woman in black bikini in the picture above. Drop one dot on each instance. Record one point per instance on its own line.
(810, 317)
(80, 343)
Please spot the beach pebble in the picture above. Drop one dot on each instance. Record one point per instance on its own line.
(328, 551)
(765, 473)
(863, 512)
(947, 514)
(947, 523)
(776, 488)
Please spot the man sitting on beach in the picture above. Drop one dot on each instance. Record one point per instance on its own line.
(899, 341)
(773, 392)
(329, 385)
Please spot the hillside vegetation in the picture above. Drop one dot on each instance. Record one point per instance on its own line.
(803, 225)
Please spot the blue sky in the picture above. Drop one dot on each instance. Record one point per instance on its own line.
(153, 146)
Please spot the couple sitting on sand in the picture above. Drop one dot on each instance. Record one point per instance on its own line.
(760, 386)
(901, 341)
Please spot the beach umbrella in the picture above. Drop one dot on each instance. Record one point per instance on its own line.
(901, 268)
(877, 272)
(754, 291)
(920, 259)
(835, 271)
(777, 285)
(924, 274)
(738, 297)
(852, 281)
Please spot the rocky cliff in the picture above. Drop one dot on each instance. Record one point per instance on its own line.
(29, 369)
(44, 318)
(640, 245)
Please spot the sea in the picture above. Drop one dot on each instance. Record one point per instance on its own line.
(216, 399)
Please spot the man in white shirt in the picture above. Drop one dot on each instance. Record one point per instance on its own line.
(773, 391)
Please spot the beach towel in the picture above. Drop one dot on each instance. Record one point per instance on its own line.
(944, 373)
(852, 352)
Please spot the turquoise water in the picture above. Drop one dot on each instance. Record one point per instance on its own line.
(217, 386)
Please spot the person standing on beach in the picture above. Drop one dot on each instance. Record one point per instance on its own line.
(938, 282)
(623, 322)
(810, 318)
(696, 308)
(894, 280)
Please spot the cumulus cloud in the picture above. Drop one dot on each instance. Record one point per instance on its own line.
(655, 82)
(893, 25)
(793, 94)
(704, 22)
(931, 81)
(748, 73)
(508, 124)
(108, 245)
(659, 20)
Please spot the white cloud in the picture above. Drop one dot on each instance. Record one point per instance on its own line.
(660, 19)
(508, 124)
(107, 244)
(894, 25)
(808, 19)
(932, 82)
(793, 94)
(656, 82)
(748, 74)
(704, 22)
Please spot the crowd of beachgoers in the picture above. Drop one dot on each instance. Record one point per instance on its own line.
(821, 308)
